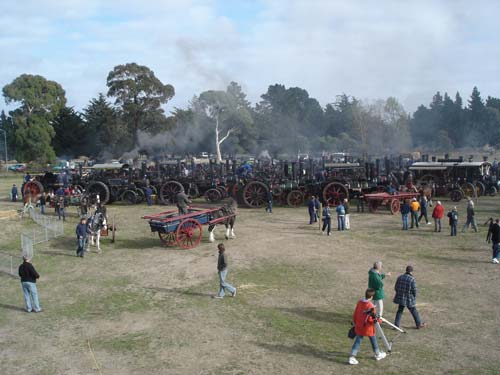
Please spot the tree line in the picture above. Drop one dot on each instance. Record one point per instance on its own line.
(131, 116)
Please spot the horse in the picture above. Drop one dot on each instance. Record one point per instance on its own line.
(95, 224)
(229, 209)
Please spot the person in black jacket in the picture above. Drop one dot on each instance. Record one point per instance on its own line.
(28, 276)
(81, 235)
(495, 239)
(222, 270)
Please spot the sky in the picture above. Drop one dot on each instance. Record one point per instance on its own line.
(368, 49)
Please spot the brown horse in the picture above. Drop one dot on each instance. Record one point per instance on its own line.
(229, 210)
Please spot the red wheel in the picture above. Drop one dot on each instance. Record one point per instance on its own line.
(394, 207)
(295, 198)
(168, 239)
(32, 189)
(169, 191)
(334, 193)
(255, 194)
(189, 234)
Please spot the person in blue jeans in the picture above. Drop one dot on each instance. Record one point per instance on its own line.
(269, 198)
(28, 276)
(81, 236)
(148, 192)
(453, 220)
(222, 265)
(311, 208)
(406, 296)
(327, 219)
(340, 216)
(405, 211)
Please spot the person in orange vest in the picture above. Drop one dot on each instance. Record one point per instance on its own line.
(364, 325)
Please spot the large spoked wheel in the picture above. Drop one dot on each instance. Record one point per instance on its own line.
(189, 234)
(334, 193)
(129, 197)
(99, 188)
(480, 188)
(254, 194)
(32, 189)
(223, 191)
(168, 239)
(469, 189)
(394, 206)
(491, 191)
(169, 191)
(456, 195)
(295, 198)
(213, 195)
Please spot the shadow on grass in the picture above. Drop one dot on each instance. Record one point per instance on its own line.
(321, 316)
(306, 350)
(57, 253)
(182, 292)
(142, 243)
(10, 307)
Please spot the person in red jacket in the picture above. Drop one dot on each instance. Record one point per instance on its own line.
(438, 214)
(364, 325)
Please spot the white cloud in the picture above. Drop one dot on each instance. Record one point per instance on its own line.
(367, 49)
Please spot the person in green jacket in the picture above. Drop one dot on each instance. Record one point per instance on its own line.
(375, 277)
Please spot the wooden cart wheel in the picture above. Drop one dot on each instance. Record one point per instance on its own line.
(456, 195)
(189, 234)
(373, 205)
(32, 189)
(169, 191)
(168, 239)
(334, 193)
(212, 195)
(394, 207)
(255, 194)
(295, 198)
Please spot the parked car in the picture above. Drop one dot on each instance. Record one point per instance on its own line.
(17, 167)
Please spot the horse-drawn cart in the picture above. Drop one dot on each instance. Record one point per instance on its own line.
(186, 230)
(391, 201)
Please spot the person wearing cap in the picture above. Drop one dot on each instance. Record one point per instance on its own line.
(414, 207)
(453, 220)
(406, 296)
(28, 276)
(470, 216)
(437, 215)
(222, 265)
(182, 202)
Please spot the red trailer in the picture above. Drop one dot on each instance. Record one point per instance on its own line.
(391, 201)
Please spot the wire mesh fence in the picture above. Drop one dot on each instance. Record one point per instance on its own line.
(7, 263)
(50, 227)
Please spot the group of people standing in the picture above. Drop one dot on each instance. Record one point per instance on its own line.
(342, 210)
(413, 207)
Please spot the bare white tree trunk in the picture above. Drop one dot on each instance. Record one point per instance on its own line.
(218, 140)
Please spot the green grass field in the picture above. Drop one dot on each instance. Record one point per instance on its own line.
(139, 308)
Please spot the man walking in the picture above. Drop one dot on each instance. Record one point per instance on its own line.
(364, 325)
(495, 239)
(28, 276)
(453, 220)
(470, 216)
(14, 193)
(269, 199)
(182, 202)
(414, 207)
(81, 236)
(405, 211)
(42, 202)
(327, 219)
(375, 277)
(437, 215)
(423, 209)
(311, 208)
(406, 296)
(222, 265)
(148, 192)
